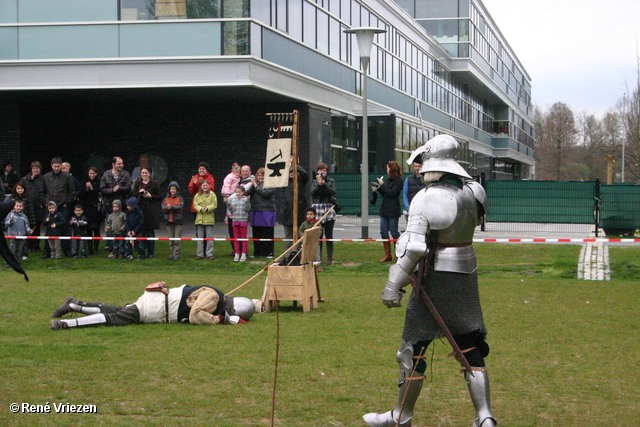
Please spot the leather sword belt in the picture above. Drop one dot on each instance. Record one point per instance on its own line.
(454, 245)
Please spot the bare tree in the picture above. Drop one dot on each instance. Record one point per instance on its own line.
(630, 120)
(613, 133)
(592, 146)
(555, 151)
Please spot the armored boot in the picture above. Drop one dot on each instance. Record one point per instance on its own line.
(479, 391)
(72, 305)
(403, 413)
(93, 320)
(387, 251)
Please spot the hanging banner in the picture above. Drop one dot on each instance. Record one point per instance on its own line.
(278, 163)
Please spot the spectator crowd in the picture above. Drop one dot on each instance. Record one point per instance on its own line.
(120, 205)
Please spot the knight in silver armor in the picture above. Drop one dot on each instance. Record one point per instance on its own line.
(442, 218)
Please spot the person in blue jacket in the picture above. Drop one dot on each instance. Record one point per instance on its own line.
(133, 227)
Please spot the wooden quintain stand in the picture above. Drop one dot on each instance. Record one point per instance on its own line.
(296, 283)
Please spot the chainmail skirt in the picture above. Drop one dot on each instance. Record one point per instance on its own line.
(455, 296)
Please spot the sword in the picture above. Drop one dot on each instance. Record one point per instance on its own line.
(423, 270)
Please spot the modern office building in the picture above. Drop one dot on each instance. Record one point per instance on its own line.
(193, 80)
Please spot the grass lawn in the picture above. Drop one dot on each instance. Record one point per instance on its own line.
(563, 352)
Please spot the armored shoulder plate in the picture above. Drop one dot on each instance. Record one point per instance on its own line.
(438, 204)
(478, 193)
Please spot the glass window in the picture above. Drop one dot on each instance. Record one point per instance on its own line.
(235, 8)
(322, 39)
(137, 10)
(398, 133)
(344, 45)
(295, 20)
(364, 17)
(355, 14)
(437, 8)
(281, 15)
(334, 7)
(408, 5)
(406, 136)
(202, 9)
(345, 10)
(260, 11)
(309, 24)
(335, 35)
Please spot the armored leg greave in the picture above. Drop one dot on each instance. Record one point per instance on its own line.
(403, 412)
(410, 387)
(479, 391)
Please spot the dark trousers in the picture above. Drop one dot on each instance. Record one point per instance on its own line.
(118, 315)
(230, 230)
(262, 248)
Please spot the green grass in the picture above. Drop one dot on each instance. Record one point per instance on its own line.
(563, 352)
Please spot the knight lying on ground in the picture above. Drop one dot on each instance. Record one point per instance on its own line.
(199, 305)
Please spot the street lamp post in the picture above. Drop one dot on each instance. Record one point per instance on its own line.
(624, 109)
(364, 36)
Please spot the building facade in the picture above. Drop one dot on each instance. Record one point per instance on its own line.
(185, 81)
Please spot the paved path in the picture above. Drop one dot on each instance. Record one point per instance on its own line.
(594, 262)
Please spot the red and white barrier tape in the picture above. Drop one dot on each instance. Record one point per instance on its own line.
(226, 239)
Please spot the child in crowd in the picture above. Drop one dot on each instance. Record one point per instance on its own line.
(205, 204)
(239, 207)
(311, 220)
(172, 206)
(115, 227)
(230, 182)
(134, 224)
(78, 225)
(19, 192)
(17, 224)
(54, 223)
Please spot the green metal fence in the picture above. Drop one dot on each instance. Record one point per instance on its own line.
(348, 192)
(565, 202)
(615, 207)
(620, 208)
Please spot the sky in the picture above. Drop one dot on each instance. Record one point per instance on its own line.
(583, 53)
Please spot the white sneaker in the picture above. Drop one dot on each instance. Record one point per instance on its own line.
(236, 258)
(243, 258)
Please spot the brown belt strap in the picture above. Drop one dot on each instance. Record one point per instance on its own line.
(454, 245)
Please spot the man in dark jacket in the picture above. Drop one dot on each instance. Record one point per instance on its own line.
(59, 187)
(412, 184)
(115, 183)
(34, 184)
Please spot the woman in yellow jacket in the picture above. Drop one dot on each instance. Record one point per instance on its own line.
(205, 204)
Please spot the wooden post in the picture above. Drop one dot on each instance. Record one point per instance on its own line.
(294, 164)
(610, 160)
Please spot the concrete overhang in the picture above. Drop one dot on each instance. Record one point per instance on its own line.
(509, 154)
(211, 79)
